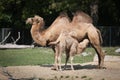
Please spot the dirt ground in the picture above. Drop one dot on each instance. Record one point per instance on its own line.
(86, 71)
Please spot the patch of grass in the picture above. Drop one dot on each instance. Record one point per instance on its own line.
(103, 79)
(55, 78)
(111, 51)
(67, 76)
(36, 56)
(76, 76)
(83, 77)
(86, 78)
(39, 56)
(89, 79)
(61, 76)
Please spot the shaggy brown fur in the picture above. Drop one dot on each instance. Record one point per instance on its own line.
(62, 22)
(66, 42)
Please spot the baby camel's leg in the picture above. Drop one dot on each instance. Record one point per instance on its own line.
(67, 58)
(59, 59)
(73, 50)
(71, 61)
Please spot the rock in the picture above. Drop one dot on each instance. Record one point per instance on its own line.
(117, 50)
(86, 53)
(15, 46)
(108, 58)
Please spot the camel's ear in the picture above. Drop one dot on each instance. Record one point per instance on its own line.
(29, 21)
(38, 18)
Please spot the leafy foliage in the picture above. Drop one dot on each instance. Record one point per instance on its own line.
(13, 13)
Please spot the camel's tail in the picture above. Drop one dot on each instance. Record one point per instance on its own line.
(100, 36)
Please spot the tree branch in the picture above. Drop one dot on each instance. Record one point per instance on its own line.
(15, 41)
(5, 38)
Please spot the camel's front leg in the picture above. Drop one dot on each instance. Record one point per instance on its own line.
(56, 61)
(101, 56)
(59, 62)
(55, 49)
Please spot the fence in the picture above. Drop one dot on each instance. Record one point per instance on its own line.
(25, 37)
(110, 34)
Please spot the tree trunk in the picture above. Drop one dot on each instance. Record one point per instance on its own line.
(94, 11)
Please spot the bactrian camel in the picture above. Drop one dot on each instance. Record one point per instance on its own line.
(66, 43)
(80, 25)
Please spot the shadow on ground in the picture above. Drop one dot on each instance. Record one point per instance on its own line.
(76, 66)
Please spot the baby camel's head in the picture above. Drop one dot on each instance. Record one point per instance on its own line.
(85, 41)
(82, 45)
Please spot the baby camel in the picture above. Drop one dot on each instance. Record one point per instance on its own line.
(70, 45)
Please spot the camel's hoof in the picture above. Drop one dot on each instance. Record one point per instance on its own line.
(99, 67)
(72, 69)
(103, 68)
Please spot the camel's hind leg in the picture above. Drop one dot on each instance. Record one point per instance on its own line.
(100, 54)
(94, 38)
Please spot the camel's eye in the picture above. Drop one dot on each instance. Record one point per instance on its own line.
(32, 19)
(37, 20)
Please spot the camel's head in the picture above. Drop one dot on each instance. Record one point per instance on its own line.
(86, 41)
(83, 44)
(35, 20)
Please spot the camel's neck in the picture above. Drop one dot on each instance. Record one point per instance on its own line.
(35, 29)
(37, 35)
